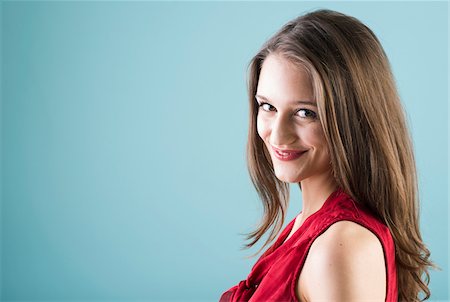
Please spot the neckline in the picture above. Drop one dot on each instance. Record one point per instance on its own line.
(283, 242)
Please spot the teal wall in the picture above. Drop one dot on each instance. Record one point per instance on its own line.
(123, 141)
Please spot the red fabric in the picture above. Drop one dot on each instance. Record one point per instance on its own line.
(275, 274)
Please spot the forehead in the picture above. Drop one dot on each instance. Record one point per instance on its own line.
(280, 79)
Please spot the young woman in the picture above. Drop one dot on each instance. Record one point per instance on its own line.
(325, 113)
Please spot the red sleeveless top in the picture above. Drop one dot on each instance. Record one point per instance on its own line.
(274, 276)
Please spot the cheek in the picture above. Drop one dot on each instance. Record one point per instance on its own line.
(314, 136)
(262, 127)
(320, 143)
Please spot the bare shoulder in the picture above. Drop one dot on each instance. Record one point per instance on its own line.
(345, 263)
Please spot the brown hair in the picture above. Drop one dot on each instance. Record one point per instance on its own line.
(366, 131)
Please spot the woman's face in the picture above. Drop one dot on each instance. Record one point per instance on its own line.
(288, 121)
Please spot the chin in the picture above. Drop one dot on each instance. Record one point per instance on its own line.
(288, 178)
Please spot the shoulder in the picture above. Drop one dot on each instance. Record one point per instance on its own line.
(345, 263)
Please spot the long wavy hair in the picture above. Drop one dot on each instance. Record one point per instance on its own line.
(366, 131)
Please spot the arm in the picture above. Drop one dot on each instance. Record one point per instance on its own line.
(345, 263)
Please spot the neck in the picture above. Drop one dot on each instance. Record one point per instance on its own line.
(315, 192)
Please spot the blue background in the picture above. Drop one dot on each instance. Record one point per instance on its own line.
(123, 131)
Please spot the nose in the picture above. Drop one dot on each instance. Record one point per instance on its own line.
(283, 132)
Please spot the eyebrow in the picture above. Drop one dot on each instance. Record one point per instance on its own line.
(305, 102)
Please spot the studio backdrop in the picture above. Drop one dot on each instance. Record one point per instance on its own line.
(123, 132)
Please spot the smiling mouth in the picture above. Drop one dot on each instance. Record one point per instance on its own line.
(287, 155)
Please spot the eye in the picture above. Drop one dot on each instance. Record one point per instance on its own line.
(306, 113)
(266, 107)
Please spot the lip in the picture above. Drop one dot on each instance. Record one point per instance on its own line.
(287, 155)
